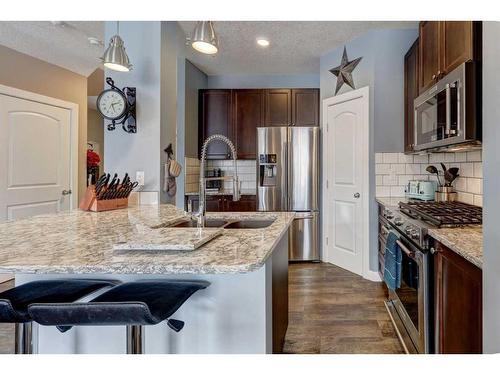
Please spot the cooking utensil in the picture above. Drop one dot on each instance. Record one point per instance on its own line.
(103, 181)
(433, 170)
(109, 189)
(450, 175)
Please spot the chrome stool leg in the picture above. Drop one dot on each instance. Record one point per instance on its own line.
(24, 338)
(135, 339)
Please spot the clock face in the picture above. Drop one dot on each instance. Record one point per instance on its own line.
(111, 104)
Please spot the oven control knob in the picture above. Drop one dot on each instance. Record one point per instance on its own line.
(398, 221)
(408, 230)
(414, 234)
(388, 214)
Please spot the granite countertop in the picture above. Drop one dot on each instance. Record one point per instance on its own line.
(465, 241)
(82, 242)
(224, 192)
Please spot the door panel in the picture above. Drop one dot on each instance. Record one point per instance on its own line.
(304, 237)
(345, 157)
(305, 107)
(35, 158)
(411, 93)
(248, 115)
(215, 118)
(457, 43)
(428, 54)
(303, 171)
(278, 107)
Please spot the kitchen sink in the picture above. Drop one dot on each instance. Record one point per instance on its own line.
(209, 223)
(249, 224)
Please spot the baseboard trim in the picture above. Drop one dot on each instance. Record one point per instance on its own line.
(372, 276)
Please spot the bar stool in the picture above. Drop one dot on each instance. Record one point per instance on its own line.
(133, 304)
(14, 303)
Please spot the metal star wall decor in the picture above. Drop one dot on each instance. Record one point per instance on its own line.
(343, 72)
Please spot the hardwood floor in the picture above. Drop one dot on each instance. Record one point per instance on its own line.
(331, 311)
(335, 311)
(6, 330)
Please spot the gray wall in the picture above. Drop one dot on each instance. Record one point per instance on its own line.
(138, 152)
(195, 80)
(491, 165)
(252, 81)
(173, 44)
(382, 69)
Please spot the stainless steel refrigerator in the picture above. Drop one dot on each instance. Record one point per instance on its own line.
(288, 180)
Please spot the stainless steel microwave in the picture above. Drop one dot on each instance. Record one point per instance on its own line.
(448, 115)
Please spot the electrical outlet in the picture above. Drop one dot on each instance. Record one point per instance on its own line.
(139, 177)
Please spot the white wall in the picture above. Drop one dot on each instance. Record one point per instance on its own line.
(382, 69)
(491, 165)
(141, 151)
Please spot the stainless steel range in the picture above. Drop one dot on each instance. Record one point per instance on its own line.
(410, 306)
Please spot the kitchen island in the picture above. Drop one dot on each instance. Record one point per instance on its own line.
(244, 310)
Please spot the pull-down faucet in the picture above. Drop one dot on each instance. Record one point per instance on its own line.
(200, 215)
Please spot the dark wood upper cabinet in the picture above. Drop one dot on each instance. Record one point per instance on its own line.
(237, 113)
(457, 44)
(429, 63)
(215, 117)
(458, 303)
(444, 45)
(248, 115)
(411, 92)
(305, 107)
(278, 107)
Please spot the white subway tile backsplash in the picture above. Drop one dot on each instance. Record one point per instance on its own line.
(478, 200)
(383, 191)
(421, 158)
(382, 169)
(465, 197)
(478, 170)
(412, 169)
(391, 157)
(460, 157)
(466, 170)
(437, 158)
(474, 185)
(404, 159)
(474, 156)
(392, 176)
(390, 180)
(398, 169)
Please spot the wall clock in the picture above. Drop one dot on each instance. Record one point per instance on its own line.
(118, 106)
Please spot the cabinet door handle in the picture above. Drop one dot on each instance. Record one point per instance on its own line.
(434, 76)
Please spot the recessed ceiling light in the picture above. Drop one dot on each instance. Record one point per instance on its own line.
(263, 42)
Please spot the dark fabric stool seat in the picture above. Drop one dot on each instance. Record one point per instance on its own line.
(145, 302)
(14, 302)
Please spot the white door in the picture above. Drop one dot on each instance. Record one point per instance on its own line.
(346, 119)
(35, 158)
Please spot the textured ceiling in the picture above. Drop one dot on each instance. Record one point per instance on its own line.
(296, 46)
(65, 45)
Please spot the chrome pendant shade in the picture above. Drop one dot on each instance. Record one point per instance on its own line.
(204, 39)
(115, 57)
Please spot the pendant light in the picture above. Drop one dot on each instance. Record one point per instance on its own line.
(115, 57)
(204, 39)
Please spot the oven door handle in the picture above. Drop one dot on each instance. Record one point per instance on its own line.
(405, 249)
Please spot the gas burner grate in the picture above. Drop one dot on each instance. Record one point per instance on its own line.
(444, 213)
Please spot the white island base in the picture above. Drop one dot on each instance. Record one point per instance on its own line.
(233, 315)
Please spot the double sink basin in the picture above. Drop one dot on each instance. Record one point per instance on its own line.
(226, 224)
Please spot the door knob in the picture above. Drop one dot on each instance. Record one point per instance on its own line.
(66, 192)
(356, 195)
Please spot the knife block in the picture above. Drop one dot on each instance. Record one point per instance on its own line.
(91, 203)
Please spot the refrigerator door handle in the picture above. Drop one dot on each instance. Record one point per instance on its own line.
(305, 217)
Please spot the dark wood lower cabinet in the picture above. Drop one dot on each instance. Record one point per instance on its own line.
(223, 203)
(458, 303)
